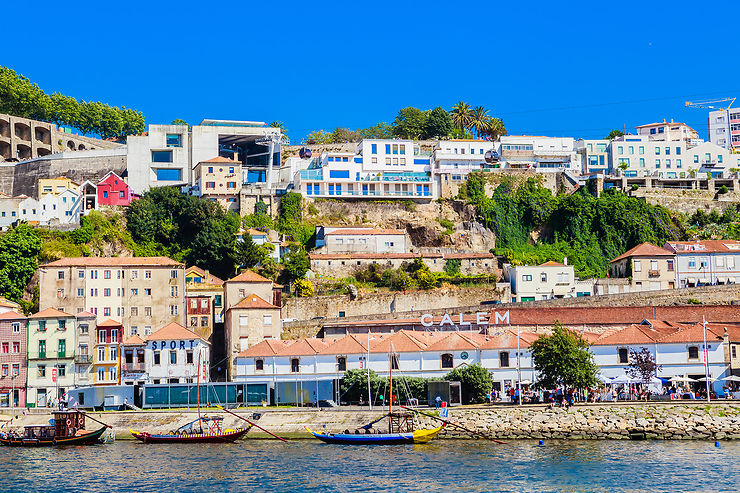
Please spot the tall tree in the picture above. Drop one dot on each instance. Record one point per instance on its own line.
(378, 131)
(438, 124)
(410, 123)
(563, 358)
(248, 253)
(475, 382)
(461, 115)
(492, 129)
(283, 130)
(319, 137)
(479, 119)
(19, 250)
(296, 262)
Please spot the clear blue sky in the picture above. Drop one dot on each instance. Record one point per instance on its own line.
(554, 68)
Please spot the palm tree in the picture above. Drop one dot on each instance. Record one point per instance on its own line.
(493, 129)
(461, 116)
(479, 119)
(283, 130)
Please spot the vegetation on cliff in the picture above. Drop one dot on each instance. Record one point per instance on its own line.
(588, 230)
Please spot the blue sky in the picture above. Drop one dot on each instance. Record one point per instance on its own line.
(562, 69)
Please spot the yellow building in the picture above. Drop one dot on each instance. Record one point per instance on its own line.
(55, 186)
(219, 180)
(107, 363)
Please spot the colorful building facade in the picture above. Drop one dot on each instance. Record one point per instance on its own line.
(13, 362)
(107, 363)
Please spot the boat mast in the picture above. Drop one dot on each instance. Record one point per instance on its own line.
(197, 389)
(390, 391)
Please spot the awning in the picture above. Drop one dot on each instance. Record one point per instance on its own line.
(703, 280)
(691, 280)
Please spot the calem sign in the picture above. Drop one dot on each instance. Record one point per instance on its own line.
(481, 318)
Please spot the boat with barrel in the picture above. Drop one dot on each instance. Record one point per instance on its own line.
(67, 428)
(205, 429)
(401, 428)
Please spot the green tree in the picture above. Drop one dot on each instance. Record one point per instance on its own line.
(340, 135)
(296, 262)
(475, 382)
(378, 131)
(19, 251)
(492, 129)
(438, 125)
(479, 119)
(461, 115)
(319, 137)
(452, 267)
(283, 130)
(248, 253)
(563, 358)
(614, 134)
(410, 123)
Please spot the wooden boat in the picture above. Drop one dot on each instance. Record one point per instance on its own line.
(68, 429)
(416, 436)
(400, 426)
(195, 432)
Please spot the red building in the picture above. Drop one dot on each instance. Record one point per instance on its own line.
(13, 363)
(112, 190)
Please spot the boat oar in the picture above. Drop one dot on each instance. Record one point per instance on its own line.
(253, 424)
(454, 424)
(90, 417)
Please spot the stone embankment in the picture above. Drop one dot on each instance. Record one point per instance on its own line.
(716, 421)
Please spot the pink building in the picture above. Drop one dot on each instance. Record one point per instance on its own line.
(113, 190)
(13, 334)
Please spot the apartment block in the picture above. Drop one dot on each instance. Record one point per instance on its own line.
(669, 131)
(203, 301)
(540, 153)
(377, 169)
(142, 292)
(638, 156)
(724, 128)
(700, 263)
(219, 180)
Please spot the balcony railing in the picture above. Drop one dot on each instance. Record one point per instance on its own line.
(52, 355)
(133, 367)
(371, 193)
(312, 174)
(83, 358)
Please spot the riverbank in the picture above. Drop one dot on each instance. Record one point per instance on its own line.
(669, 421)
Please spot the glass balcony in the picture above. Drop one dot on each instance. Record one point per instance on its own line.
(312, 174)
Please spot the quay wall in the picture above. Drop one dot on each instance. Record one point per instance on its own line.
(661, 420)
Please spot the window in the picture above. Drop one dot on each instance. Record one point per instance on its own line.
(106, 311)
(134, 274)
(670, 265)
(295, 365)
(189, 357)
(42, 371)
(60, 275)
(259, 364)
(62, 324)
(83, 328)
(83, 349)
(16, 347)
(526, 277)
(148, 291)
(162, 157)
(60, 293)
(543, 277)
(101, 373)
(122, 194)
(101, 353)
(692, 262)
(102, 336)
(173, 309)
(243, 320)
(16, 327)
(61, 370)
(106, 292)
(147, 274)
(106, 274)
(42, 325)
(173, 274)
(204, 321)
(16, 369)
(693, 352)
(134, 291)
(173, 357)
(6, 347)
(157, 358)
(113, 373)
(503, 359)
(80, 292)
(193, 321)
(173, 291)
(134, 311)
(653, 265)
(267, 320)
(636, 266)
(5, 371)
(374, 148)
(174, 140)
(394, 362)
(447, 361)
(623, 354)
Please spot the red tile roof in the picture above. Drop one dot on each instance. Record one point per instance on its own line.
(210, 279)
(174, 331)
(551, 263)
(112, 262)
(11, 315)
(693, 333)
(366, 231)
(134, 340)
(403, 341)
(303, 347)
(349, 344)
(453, 342)
(249, 276)
(51, 313)
(645, 250)
(110, 323)
(254, 302)
(85, 314)
(221, 159)
(268, 347)
(508, 339)
(635, 334)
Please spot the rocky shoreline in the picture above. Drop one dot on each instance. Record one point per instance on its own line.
(665, 421)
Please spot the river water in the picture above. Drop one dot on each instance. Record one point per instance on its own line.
(443, 465)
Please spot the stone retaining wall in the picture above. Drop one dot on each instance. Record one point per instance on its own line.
(695, 420)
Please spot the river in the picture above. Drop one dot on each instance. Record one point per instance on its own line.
(443, 465)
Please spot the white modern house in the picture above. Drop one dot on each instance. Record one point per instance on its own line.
(463, 156)
(638, 156)
(52, 210)
(669, 131)
(392, 169)
(540, 153)
(172, 353)
(167, 154)
(595, 155)
(545, 281)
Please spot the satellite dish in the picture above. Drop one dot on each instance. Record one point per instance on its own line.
(491, 156)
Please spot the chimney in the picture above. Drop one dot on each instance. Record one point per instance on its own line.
(565, 260)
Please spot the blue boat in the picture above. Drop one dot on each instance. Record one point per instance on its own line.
(369, 438)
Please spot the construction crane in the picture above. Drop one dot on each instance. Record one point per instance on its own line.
(710, 104)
